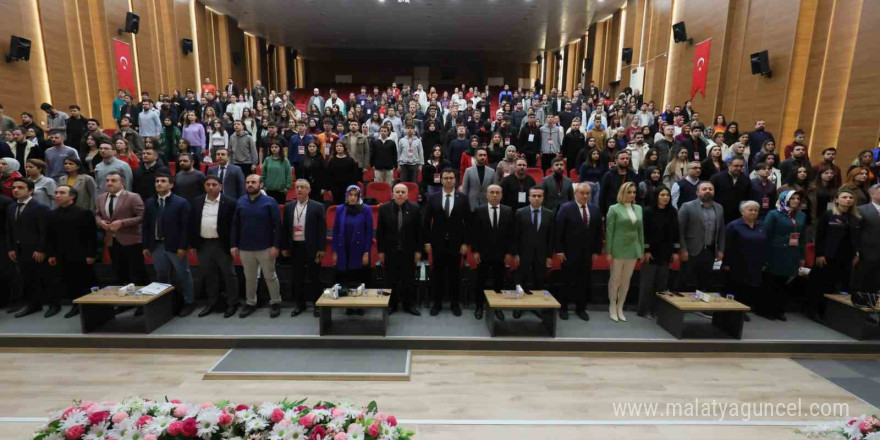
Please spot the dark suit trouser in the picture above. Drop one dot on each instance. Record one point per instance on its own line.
(216, 263)
(577, 271)
(400, 276)
(697, 271)
(446, 275)
(33, 280)
(128, 261)
(7, 273)
(531, 272)
(304, 275)
(866, 277)
(487, 269)
(76, 278)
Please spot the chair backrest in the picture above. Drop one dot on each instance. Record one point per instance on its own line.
(369, 175)
(536, 174)
(172, 166)
(573, 174)
(331, 217)
(381, 191)
(413, 195)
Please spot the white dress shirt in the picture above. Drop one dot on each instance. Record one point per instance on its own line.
(210, 213)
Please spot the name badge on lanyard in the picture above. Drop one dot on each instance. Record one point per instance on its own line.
(794, 238)
(301, 149)
(765, 203)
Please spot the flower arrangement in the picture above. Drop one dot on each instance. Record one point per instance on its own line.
(143, 419)
(853, 428)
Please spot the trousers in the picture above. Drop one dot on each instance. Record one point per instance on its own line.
(253, 260)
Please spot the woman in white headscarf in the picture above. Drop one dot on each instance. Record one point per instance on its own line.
(8, 172)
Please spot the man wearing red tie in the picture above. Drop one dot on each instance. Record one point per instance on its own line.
(578, 243)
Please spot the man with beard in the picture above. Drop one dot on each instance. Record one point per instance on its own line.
(732, 188)
(71, 242)
(515, 187)
(572, 144)
(557, 187)
(701, 228)
(189, 183)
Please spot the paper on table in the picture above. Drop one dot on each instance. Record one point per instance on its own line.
(153, 289)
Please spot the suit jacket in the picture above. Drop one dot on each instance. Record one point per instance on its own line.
(129, 209)
(623, 239)
(729, 195)
(27, 234)
(224, 221)
(532, 243)
(409, 238)
(233, 181)
(174, 223)
(446, 233)
(574, 239)
(4, 203)
(553, 197)
(349, 254)
(316, 228)
(869, 233)
(691, 231)
(492, 243)
(71, 234)
(474, 188)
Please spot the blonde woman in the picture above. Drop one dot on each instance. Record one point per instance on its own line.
(624, 245)
(677, 168)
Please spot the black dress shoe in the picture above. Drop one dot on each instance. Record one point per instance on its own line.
(412, 311)
(435, 309)
(478, 313)
(499, 315)
(275, 311)
(456, 309)
(74, 310)
(297, 310)
(247, 310)
(583, 315)
(746, 318)
(206, 311)
(186, 310)
(27, 310)
(13, 308)
(517, 314)
(54, 309)
(230, 311)
(563, 314)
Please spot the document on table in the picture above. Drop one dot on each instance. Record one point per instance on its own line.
(153, 289)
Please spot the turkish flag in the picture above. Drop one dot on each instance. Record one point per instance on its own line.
(701, 68)
(124, 66)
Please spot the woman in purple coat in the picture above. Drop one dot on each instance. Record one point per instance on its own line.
(353, 240)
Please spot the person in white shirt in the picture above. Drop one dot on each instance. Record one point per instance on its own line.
(638, 149)
(211, 220)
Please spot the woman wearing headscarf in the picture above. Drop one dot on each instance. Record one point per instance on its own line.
(785, 254)
(8, 173)
(507, 166)
(352, 240)
(84, 184)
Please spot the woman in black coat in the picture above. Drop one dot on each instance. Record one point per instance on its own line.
(661, 248)
(313, 169)
(342, 172)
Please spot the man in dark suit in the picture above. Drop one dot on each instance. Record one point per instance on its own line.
(732, 188)
(445, 223)
(71, 244)
(533, 242)
(26, 244)
(304, 239)
(701, 231)
(230, 175)
(210, 226)
(164, 233)
(399, 244)
(867, 272)
(578, 243)
(492, 244)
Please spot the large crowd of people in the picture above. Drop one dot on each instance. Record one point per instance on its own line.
(513, 181)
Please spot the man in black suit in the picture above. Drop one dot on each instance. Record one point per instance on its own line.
(493, 243)
(533, 242)
(210, 225)
(399, 244)
(26, 244)
(578, 243)
(445, 222)
(732, 188)
(303, 239)
(71, 242)
(866, 277)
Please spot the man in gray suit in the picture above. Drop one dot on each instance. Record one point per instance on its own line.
(231, 176)
(477, 180)
(866, 278)
(701, 228)
(557, 188)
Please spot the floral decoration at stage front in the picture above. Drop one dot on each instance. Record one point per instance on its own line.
(143, 419)
(853, 428)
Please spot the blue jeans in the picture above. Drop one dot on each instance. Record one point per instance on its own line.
(163, 261)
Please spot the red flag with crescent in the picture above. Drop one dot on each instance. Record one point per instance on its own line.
(701, 68)
(124, 66)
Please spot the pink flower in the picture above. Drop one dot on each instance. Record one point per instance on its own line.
(336, 413)
(277, 415)
(75, 432)
(174, 400)
(119, 417)
(108, 403)
(320, 407)
(380, 417)
(225, 419)
(87, 405)
(866, 426)
(391, 420)
(190, 428)
(307, 420)
(205, 405)
(150, 437)
(340, 436)
(241, 407)
(175, 428)
(318, 433)
(67, 412)
(374, 430)
(285, 422)
(143, 420)
(180, 411)
(98, 417)
(300, 408)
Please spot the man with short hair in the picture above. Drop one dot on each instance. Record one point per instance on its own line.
(297, 145)
(55, 120)
(207, 87)
(638, 150)
(75, 126)
(572, 144)
(148, 120)
(445, 222)
(242, 148)
(6, 122)
(334, 101)
(56, 154)
(516, 186)
(256, 234)
(210, 227)
(578, 242)
(866, 277)
(763, 190)
(399, 244)
(619, 174)
(120, 214)
(477, 179)
(383, 156)
(111, 164)
(189, 183)
(799, 139)
(410, 155)
(558, 188)
(533, 242)
(358, 145)
(231, 177)
(71, 242)
(492, 245)
(164, 238)
(317, 99)
(304, 240)
(685, 190)
(731, 188)
(758, 136)
(26, 233)
(551, 140)
(23, 149)
(829, 155)
(798, 159)
(695, 144)
(666, 145)
(701, 228)
(133, 137)
(27, 122)
(144, 183)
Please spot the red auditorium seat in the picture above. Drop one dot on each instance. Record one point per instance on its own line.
(369, 175)
(331, 217)
(573, 174)
(536, 174)
(413, 194)
(172, 166)
(381, 191)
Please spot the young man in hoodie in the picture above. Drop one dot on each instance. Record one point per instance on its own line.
(242, 149)
(551, 141)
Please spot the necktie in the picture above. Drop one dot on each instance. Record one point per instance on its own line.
(112, 203)
(535, 219)
(18, 210)
(494, 216)
(222, 174)
(399, 218)
(447, 205)
(585, 215)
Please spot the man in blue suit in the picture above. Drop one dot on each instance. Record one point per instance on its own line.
(303, 239)
(578, 243)
(231, 176)
(164, 236)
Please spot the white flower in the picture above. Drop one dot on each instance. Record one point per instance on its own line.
(255, 424)
(285, 432)
(266, 409)
(158, 425)
(54, 436)
(98, 432)
(76, 417)
(207, 421)
(297, 432)
(244, 415)
(122, 430)
(320, 415)
(388, 431)
(356, 435)
(164, 408)
(133, 434)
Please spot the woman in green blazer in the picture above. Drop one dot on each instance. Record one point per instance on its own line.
(785, 235)
(624, 245)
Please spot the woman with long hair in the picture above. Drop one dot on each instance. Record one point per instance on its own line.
(209, 115)
(247, 118)
(676, 169)
(865, 159)
(218, 138)
(857, 182)
(653, 179)
(836, 250)
(731, 133)
(624, 245)
(313, 169)
(342, 172)
(821, 193)
(768, 147)
(661, 248)
(194, 132)
(124, 153)
(276, 177)
(720, 125)
(183, 146)
(713, 164)
(92, 156)
(590, 144)
(87, 190)
(433, 169)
